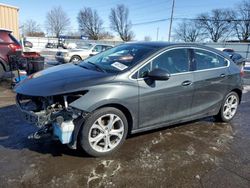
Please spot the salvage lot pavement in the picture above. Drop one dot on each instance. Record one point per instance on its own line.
(196, 154)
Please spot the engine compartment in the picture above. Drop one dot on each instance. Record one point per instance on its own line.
(46, 110)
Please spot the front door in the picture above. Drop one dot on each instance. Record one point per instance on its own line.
(168, 100)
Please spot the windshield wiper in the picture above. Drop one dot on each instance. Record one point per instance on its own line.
(96, 66)
(82, 66)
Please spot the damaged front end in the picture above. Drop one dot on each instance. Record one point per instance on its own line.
(53, 115)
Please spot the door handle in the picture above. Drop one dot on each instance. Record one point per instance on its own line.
(222, 75)
(186, 83)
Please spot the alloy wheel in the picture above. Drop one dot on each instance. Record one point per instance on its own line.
(230, 107)
(106, 133)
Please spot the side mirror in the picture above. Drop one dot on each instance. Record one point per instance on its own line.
(158, 74)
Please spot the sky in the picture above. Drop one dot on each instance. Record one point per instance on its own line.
(140, 11)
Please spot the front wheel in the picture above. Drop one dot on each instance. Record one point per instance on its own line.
(229, 107)
(104, 132)
(75, 59)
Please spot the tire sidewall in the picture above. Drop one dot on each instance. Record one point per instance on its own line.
(222, 106)
(84, 142)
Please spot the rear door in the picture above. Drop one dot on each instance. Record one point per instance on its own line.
(210, 81)
(168, 100)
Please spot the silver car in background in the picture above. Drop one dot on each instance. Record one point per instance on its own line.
(81, 52)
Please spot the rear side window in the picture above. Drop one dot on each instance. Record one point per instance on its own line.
(13, 38)
(6, 37)
(208, 60)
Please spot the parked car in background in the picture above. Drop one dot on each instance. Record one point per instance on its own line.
(81, 52)
(9, 47)
(131, 88)
(28, 44)
(51, 45)
(70, 45)
(236, 57)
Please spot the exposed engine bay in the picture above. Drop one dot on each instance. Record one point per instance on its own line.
(51, 114)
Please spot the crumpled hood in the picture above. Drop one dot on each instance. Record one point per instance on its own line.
(61, 79)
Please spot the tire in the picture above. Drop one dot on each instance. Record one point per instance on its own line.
(75, 58)
(228, 108)
(97, 138)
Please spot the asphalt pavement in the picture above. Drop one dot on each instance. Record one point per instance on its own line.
(201, 153)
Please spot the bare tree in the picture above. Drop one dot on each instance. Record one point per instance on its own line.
(90, 23)
(119, 22)
(31, 28)
(106, 35)
(57, 21)
(241, 20)
(188, 31)
(216, 24)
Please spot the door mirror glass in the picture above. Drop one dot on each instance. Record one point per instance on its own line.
(158, 74)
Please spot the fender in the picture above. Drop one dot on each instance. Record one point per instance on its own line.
(125, 95)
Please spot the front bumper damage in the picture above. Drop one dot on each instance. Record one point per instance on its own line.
(53, 116)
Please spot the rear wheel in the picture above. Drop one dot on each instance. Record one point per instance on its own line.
(75, 59)
(104, 132)
(229, 107)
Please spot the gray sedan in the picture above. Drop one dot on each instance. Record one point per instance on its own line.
(131, 88)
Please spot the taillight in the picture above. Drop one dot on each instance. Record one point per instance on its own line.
(15, 47)
(242, 71)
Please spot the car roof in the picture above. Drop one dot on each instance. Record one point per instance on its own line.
(225, 49)
(161, 45)
(101, 44)
(6, 30)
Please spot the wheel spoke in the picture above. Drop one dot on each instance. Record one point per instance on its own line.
(97, 126)
(111, 121)
(119, 135)
(117, 132)
(106, 143)
(100, 123)
(234, 106)
(97, 138)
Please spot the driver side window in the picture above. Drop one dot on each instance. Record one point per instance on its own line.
(173, 61)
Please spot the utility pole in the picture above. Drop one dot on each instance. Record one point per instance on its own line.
(171, 20)
(157, 34)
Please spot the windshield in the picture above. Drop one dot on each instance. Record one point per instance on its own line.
(84, 46)
(120, 57)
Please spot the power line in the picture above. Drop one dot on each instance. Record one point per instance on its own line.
(150, 22)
